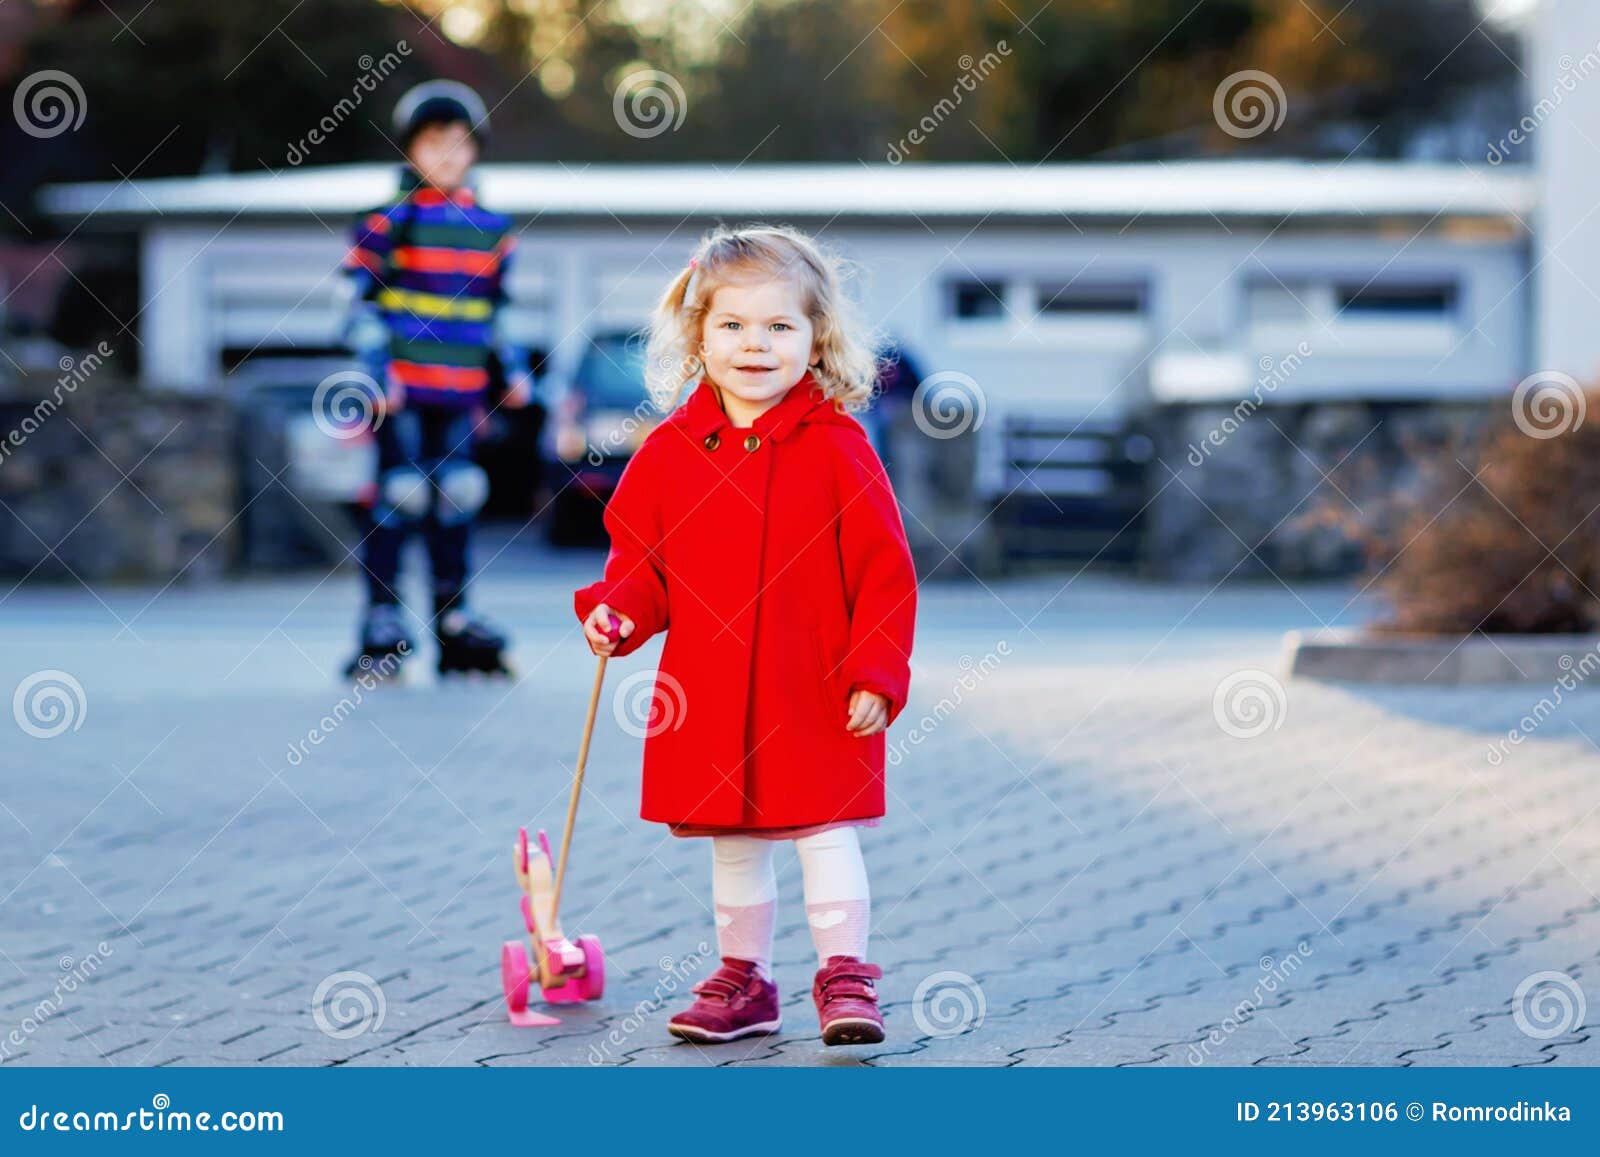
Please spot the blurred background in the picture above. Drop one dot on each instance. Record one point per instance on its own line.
(1095, 235)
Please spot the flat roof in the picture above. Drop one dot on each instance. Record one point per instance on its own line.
(1177, 189)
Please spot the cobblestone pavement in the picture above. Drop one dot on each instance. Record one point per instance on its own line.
(1089, 859)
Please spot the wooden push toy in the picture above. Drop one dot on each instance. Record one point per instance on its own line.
(568, 971)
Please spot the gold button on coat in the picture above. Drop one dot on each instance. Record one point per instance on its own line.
(712, 441)
(752, 442)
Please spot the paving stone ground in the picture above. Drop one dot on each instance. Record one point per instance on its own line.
(1080, 866)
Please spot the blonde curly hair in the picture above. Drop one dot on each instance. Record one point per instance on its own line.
(848, 368)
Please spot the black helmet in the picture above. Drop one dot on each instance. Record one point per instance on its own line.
(439, 102)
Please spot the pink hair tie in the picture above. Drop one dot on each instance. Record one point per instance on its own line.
(693, 261)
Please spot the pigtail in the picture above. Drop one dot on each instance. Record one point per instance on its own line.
(851, 350)
(670, 357)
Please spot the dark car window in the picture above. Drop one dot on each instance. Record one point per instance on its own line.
(611, 375)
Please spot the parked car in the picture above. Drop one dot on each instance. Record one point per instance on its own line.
(300, 482)
(596, 420)
(308, 460)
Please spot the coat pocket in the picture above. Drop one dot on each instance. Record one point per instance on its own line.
(830, 674)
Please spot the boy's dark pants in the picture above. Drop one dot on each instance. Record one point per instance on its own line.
(426, 475)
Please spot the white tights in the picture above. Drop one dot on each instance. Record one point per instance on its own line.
(745, 892)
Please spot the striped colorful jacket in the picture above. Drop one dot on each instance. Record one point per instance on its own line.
(434, 264)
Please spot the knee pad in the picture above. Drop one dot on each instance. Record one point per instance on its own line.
(463, 488)
(402, 495)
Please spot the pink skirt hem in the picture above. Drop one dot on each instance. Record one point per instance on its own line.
(790, 833)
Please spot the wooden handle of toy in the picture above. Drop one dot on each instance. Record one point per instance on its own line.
(577, 787)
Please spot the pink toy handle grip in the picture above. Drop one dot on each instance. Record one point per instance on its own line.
(613, 627)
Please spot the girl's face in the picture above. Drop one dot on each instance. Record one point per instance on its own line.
(442, 154)
(756, 340)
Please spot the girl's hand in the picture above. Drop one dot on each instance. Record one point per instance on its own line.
(869, 713)
(596, 626)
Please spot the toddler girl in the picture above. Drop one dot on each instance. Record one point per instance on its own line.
(756, 527)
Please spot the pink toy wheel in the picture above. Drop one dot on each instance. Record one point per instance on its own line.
(514, 974)
(593, 982)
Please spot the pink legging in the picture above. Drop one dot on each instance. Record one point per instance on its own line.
(745, 891)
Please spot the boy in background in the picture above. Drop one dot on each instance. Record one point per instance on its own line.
(429, 271)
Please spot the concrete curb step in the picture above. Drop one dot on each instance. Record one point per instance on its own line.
(1439, 660)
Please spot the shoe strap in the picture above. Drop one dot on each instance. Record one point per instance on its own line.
(851, 979)
(724, 984)
(848, 986)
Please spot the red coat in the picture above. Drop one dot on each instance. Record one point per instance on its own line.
(775, 559)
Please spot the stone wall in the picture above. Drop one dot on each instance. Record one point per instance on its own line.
(104, 481)
(1283, 489)
(107, 481)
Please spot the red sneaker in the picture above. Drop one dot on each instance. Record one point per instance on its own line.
(734, 1001)
(847, 1002)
